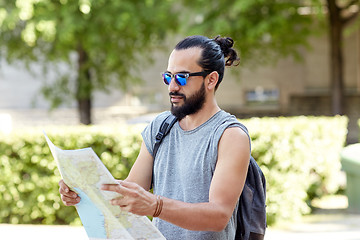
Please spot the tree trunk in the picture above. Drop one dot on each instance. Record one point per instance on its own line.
(336, 58)
(84, 88)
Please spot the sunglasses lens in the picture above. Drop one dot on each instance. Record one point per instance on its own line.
(180, 79)
(167, 78)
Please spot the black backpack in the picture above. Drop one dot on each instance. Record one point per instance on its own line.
(251, 215)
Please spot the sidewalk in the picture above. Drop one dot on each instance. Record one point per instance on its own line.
(329, 226)
(41, 232)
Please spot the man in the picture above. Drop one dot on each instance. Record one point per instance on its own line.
(201, 165)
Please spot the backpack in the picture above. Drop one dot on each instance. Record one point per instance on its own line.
(251, 215)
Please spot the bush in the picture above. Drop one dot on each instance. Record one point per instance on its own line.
(299, 157)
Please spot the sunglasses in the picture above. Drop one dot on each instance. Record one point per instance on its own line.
(181, 78)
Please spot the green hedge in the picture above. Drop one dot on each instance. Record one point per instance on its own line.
(299, 156)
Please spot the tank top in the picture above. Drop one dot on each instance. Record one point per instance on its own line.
(184, 167)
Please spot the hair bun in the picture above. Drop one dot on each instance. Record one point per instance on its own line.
(226, 45)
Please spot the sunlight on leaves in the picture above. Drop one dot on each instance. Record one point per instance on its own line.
(28, 35)
(3, 15)
(85, 6)
(48, 29)
(26, 9)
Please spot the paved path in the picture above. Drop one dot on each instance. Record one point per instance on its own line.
(41, 232)
(327, 227)
(320, 227)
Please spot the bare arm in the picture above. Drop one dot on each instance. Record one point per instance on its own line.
(141, 171)
(226, 186)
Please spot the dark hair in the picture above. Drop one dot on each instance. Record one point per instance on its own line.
(214, 53)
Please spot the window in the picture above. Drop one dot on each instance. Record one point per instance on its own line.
(261, 96)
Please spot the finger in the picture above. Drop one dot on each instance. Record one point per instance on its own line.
(63, 186)
(125, 208)
(112, 188)
(119, 201)
(65, 190)
(127, 184)
(119, 188)
(70, 201)
(70, 194)
(122, 206)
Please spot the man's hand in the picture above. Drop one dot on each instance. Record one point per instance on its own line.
(134, 199)
(68, 197)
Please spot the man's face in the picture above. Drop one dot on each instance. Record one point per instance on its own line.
(190, 98)
(191, 105)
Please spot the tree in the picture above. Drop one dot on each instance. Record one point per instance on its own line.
(340, 14)
(107, 38)
(267, 30)
(263, 30)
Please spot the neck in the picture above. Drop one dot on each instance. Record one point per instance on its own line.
(194, 120)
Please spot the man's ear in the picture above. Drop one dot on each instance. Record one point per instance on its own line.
(212, 80)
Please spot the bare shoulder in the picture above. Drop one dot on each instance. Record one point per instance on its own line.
(234, 145)
(235, 135)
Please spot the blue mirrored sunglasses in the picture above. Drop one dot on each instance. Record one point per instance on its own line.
(181, 78)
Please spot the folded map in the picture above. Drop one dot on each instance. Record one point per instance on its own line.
(84, 173)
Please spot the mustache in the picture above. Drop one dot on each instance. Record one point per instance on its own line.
(177, 94)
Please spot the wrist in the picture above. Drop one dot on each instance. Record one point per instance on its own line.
(159, 205)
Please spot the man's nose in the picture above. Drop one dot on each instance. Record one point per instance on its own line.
(173, 86)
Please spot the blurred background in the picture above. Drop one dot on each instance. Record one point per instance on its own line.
(88, 71)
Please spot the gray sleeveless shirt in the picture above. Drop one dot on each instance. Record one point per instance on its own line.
(184, 167)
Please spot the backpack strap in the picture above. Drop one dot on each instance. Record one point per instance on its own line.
(164, 129)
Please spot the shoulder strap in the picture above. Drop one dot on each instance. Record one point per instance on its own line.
(165, 127)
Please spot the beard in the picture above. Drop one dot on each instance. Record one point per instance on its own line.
(191, 105)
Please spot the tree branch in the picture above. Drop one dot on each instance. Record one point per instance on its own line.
(352, 2)
(350, 17)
